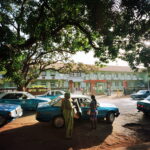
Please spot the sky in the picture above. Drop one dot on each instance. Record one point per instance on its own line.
(89, 59)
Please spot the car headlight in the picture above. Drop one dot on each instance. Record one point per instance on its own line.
(12, 113)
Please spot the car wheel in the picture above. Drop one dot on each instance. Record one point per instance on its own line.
(110, 117)
(58, 122)
(2, 120)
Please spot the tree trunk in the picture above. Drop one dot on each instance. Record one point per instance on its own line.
(21, 88)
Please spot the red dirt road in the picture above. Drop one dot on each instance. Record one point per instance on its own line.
(128, 129)
(26, 133)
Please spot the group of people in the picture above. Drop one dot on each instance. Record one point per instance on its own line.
(68, 113)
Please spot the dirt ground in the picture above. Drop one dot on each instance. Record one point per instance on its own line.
(27, 133)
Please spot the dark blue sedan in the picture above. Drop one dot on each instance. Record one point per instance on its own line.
(52, 111)
(140, 94)
(144, 106)
(26, 100)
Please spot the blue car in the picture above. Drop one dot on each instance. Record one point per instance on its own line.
(24, 99)
(9, 112)
(141, 94)
(52, 111)
(52, 94)
(144, 106)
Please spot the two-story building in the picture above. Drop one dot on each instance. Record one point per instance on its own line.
(110, 78)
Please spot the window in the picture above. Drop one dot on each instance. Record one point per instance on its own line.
(43, 73)
(15, 96)
(43, 83)
(58, 93)
(75, 74)
(52, 93)
(9, 96)
(84, 102)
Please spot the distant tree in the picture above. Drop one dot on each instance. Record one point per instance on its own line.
(35, 32)
(79, 68)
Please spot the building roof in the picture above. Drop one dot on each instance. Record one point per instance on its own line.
(75, 67)
(117, 69)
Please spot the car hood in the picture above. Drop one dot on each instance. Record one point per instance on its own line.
(8, 107)
(107, 105)
(42, 98)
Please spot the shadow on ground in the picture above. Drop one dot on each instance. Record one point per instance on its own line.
(44, 136)
(142, 128)
(28, 113)
(25, 114)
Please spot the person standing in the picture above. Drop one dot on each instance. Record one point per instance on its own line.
(68, 113)
(93, 112)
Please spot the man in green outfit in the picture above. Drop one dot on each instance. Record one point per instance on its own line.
(68, 113)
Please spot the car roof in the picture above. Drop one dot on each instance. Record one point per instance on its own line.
(12, 92)
(16, 92)
(76, 96)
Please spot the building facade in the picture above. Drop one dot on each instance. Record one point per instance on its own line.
(110, 78)
(105, 80)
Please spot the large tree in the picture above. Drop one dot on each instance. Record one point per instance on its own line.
(37, 32)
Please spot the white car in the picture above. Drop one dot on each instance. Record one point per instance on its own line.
(26, 100)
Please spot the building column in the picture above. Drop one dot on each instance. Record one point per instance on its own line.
(92, 85)
(71, 86)
(125, 85)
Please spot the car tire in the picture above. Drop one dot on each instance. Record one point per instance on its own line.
(2, 120)
(110, 117)
(58, 122)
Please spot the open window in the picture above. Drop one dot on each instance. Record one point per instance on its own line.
(84, 102)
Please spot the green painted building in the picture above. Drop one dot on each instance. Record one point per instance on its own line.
(109, 78)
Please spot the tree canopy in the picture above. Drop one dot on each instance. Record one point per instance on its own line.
(37, 33)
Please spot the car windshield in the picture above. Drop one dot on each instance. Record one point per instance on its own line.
(141, 92)
(52, 102)
(30, 95)
(1, 94)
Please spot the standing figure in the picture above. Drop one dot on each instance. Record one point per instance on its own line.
(68, 113)
(93, 112)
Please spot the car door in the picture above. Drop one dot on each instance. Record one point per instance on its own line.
(25, 102)
(56, 110)
(85, 106)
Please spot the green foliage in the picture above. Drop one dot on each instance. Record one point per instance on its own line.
(38, 86)
(37, 33)
(141, 56)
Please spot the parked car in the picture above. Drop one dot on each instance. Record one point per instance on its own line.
(52, 111)
(52, 94)
(144, 106)
(140, 94)
(26, 100)
(9, 112)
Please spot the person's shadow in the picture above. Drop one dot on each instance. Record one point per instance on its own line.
(44, 136)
